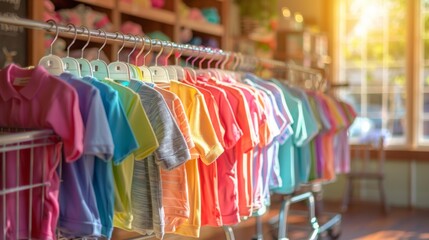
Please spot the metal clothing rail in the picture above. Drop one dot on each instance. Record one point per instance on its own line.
(156, 45)
(18, 147)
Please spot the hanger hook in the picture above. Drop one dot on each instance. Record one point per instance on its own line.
(169, 53)
(190, 55)
(212, 57)
(222, 56)
(178, 54)
(141, 49)
(56, 34)
(237, 57)
(123, 44)
(198, 55)
(205, 53)
(104, 43)
(222, 66)
(159, 53)
(87, 41)
(150, 49)
(134, 48)
(70, 26)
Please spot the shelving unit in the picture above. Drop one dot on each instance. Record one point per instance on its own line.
(167, 20)
(110, 4)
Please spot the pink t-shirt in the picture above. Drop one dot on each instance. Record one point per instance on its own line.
(32, 98)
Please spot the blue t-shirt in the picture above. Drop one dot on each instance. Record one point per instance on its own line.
(125, 143)
(79, 215)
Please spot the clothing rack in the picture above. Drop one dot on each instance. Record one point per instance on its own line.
(240, 62)
(157, 45)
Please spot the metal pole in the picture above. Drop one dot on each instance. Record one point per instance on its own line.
(186, 50)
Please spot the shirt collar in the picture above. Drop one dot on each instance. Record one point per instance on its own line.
(8, 91)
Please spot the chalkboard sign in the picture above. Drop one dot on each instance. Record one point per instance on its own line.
(13, 39)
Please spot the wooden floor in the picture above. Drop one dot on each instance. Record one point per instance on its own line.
(362, 221)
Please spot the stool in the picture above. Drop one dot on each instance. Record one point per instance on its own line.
(361, 158)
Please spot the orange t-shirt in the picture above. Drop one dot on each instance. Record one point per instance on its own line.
(206, 144)
(174, 182)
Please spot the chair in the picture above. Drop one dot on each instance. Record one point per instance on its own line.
(361, 157)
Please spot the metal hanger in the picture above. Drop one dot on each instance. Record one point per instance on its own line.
(206, 52)
(84, 64)
(190, 69)
(71, 65)
(99, 67)
(179, 69)
(204, 72)
(196, 57)
(119, 70)
(171, 70)
(136, 58)
(53, 64)
(133, 72)
(159, 74)
(190, 56)
(147, 75)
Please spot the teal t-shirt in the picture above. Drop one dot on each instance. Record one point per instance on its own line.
(311, 128)
(287, 150)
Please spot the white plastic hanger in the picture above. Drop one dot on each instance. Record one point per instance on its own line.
(159, 74)
(71, 65)
(53, 64)
(85, 66)
(99, 67)
(147, 75)
(119, 70)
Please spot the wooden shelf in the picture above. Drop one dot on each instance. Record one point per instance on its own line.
(204, 27)
(153, 14)
(110, 4)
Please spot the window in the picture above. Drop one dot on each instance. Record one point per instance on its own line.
(372, 60)
(424, 74)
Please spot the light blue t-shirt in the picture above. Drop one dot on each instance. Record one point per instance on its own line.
(125, 143)
(79, 216)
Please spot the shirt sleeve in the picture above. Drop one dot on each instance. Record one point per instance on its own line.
(204, 136)
(142, 129)
(173, 150)
(233, 132)
(123, 136)
(98, 138)
(72, 129)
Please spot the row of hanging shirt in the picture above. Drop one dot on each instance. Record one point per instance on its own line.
(166, 156)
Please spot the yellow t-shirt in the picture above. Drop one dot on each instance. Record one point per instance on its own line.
(123, 173)
(207, 145)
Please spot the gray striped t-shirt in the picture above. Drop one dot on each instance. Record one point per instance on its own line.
(147, 208)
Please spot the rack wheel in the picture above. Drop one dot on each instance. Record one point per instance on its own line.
(335, 231)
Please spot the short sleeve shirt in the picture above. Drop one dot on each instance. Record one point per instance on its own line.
(125, 143)
(172, 152)
(26, 102)
(147, 141)
(79, 215)
(175, 199)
